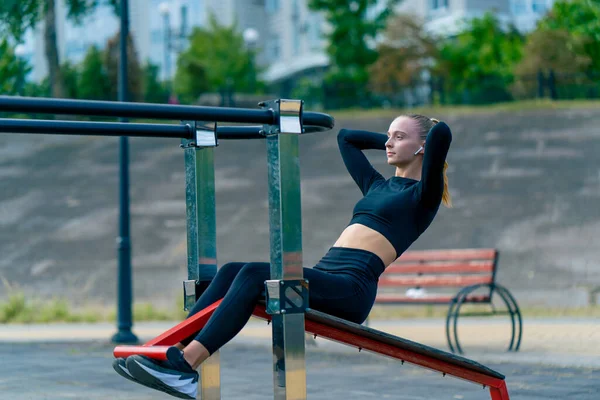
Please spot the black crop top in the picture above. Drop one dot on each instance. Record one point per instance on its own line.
(398, 208)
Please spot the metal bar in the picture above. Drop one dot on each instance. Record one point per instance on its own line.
(124, 279)
(153, 111)
(202, 237)
(155, 352)
(94, 128)
(500, 392)
(185, 328)
(39, 126)
(289, 367)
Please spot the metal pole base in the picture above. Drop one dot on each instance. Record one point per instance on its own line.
(124, 336)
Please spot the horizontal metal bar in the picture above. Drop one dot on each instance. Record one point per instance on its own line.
(40, 126)
(319, 121)
(83, 128)
(155, 352)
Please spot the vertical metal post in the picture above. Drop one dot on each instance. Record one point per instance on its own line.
(124, 280)
(289, 369)
(201, 242)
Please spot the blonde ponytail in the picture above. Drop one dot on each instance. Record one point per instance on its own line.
(425, 124)
(446, 198)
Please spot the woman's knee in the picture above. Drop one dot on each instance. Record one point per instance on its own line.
(256, 272)
(230, 270)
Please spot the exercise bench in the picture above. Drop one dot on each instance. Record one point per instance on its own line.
(351, 334)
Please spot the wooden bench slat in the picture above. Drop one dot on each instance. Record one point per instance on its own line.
(455, 267)
(394, 299)
(428, 281)
(450, 254)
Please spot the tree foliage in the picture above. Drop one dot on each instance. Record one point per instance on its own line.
(581, 19)
(93, 81)
(12, 70)
(215, 59)
(478, 64)
(404, 54)
(17, 16)
(355, 26)
(134, 70)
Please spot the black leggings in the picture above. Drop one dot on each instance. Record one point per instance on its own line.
(343, 284)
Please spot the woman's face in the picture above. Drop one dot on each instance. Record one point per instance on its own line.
(403, 141)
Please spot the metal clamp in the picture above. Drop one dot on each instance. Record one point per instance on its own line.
(288, 116)
(286, 296)
(205, 135)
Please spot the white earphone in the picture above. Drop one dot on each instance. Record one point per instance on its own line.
(418, 151)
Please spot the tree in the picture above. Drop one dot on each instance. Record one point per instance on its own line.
(134, 70)
(93, 82)
(355, 28)
(478, 64)
(12, 70)
(581, 18)
(404, 54)
(154, 90)
(215, 60)
(17, 16)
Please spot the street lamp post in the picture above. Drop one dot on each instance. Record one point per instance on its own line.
(20, 52)
(251, 37)
(172, 40)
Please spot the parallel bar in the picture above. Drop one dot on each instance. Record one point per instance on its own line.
(39, 126)
(153, 111)
(94, 128)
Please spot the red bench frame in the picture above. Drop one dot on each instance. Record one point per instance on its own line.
(467, 269)
(348, 333)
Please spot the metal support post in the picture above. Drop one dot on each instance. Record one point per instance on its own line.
(287, 291)
(201, 235)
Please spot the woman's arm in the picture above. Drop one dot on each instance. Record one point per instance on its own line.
(437, 145)
(351, 144)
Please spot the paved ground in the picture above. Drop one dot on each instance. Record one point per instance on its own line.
(560, 359)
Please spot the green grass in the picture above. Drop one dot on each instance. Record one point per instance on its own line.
(18, 308)
(513, 106)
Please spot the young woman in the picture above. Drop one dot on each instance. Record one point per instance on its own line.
(392, 214)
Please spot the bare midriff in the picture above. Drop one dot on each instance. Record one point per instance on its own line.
(357, 236)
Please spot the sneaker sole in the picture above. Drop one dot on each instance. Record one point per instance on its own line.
(120, 368)
(145, 378)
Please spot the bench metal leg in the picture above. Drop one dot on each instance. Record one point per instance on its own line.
(514, 311)
(499, 393)
(454, 313)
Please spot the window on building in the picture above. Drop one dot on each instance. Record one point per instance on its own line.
(272, 6)
(518, 7)
(274, 49)
(435, 4)
(297, 31)
(539, 6)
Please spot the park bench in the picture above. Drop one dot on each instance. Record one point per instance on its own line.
(453, 277)
(348, 333)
